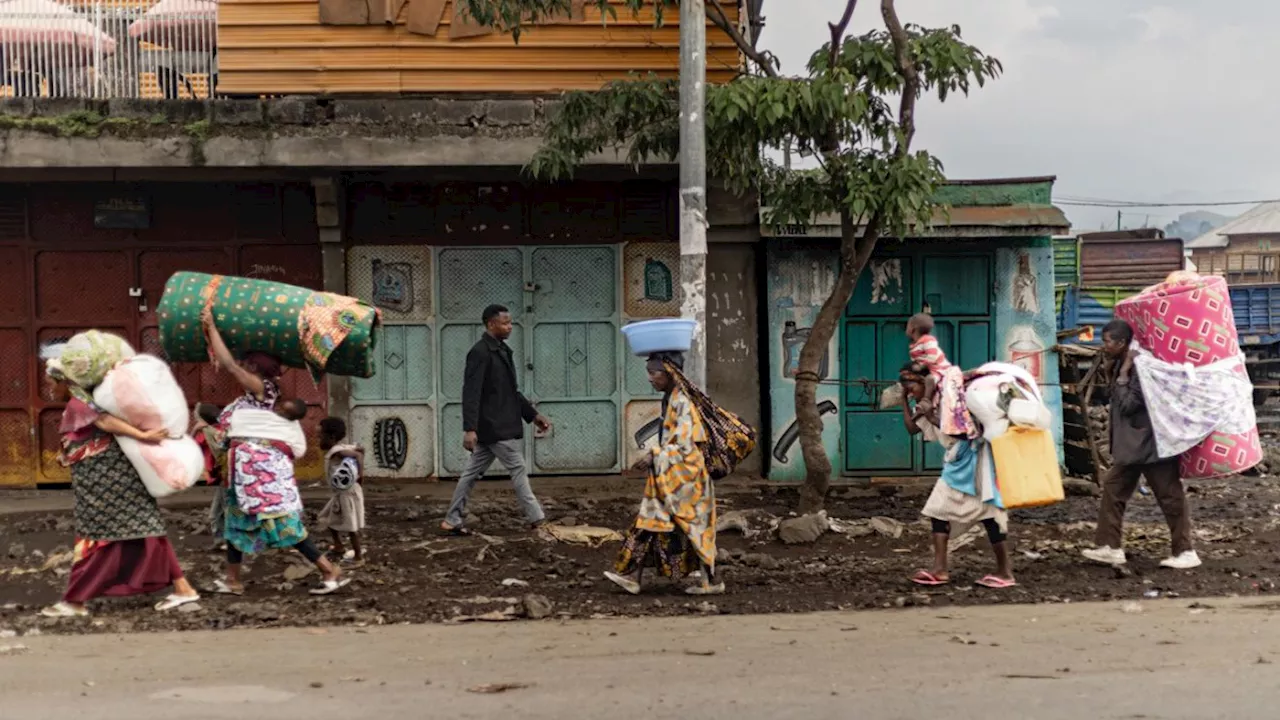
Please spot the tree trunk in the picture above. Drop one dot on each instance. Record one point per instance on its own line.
(854, 253)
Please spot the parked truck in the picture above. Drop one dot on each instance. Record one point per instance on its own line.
(1095, 271)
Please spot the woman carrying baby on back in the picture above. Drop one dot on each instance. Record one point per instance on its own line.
(265, 438)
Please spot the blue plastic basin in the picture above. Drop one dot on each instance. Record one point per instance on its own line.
(665, 335)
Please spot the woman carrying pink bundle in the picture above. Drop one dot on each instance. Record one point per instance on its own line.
(944, 387)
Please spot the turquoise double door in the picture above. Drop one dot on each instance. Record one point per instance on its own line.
(568, 351)
(958, 290)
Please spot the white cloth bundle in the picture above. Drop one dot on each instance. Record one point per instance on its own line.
(982, 397)
(1187, 404)
(142, 391)
(255, 424)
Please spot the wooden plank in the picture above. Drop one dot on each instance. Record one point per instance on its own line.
(440, 58)
(1072, 431)
(559, 36)
(276, 82)
(290, 12)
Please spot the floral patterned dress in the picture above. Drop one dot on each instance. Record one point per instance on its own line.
(675, 529)
(261, 463)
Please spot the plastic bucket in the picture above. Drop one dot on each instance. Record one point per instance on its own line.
(664, 335)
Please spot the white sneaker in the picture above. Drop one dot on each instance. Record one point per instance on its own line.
(1105, 555)
(1186, 561)
(623, 582)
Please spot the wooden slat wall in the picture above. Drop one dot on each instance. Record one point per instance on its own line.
(276, 47)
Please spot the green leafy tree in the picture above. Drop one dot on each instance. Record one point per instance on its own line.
(852, 112)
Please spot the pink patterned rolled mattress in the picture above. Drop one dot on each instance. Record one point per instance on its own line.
(1189, 320)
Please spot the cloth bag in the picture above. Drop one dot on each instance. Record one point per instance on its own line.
(142, 391)
(729, 438)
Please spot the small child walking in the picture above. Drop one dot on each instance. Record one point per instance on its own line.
(344, 464)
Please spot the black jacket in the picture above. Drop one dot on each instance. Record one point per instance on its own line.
(1132, 440)
(492, 406)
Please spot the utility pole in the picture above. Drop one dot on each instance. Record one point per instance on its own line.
(693, 181)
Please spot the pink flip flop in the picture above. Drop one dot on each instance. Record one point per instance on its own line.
(996, 583)
(928, 579)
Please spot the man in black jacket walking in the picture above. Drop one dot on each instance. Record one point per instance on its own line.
(493, 417)
(1134, 456)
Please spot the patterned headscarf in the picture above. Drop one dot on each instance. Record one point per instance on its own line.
(87, 357)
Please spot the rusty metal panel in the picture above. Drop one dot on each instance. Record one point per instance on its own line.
(13, 285)
(15, 377)
(1128, 262)
(15, 449)
(84, 288)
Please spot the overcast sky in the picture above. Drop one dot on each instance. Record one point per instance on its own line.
(1122, 99)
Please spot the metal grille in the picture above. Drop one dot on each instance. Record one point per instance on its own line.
(105, 277)
(643, 298)
(108, 48)
(472, 278)
(574, 283)
(395, 278)
(586, 438)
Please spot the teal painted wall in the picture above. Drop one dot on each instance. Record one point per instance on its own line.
(800, 275)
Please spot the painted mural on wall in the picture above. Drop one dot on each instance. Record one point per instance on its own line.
(393, 413)
(800, 279)
(1025, 321)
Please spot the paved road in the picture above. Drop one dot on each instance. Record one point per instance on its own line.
(1028, 662)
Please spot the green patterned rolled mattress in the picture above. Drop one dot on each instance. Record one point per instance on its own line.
(321, 332)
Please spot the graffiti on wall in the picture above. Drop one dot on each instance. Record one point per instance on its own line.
(392, 285)
(800, 280)
(390, 443)
(789, 437)
(886, 281)
(1024, 349)
(1025, 294)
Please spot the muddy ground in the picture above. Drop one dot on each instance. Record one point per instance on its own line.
(414, 575)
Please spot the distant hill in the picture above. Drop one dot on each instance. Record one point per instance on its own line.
(1192, 225)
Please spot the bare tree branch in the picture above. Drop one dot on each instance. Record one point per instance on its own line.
(838, 30)
(910, 77)
(720, 18)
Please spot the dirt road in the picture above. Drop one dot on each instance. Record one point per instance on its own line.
(1166, 659)
(414, 575)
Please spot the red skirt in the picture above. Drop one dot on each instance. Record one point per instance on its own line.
(121, 568)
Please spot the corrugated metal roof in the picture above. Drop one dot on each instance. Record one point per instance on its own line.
(1263, 219)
